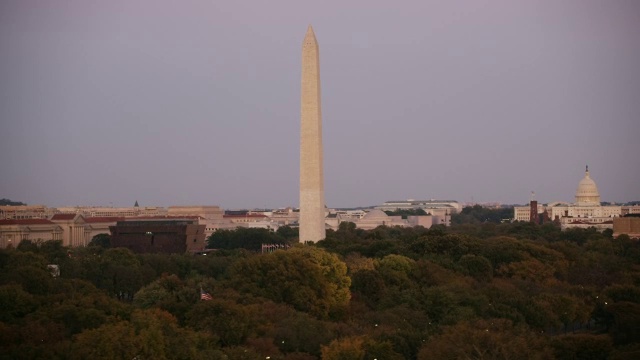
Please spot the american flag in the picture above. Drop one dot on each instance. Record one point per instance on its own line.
(205, 295)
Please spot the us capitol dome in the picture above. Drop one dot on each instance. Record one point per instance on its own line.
(587, 193)
(585, 212)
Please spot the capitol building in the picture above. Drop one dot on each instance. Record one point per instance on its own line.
(586, 212)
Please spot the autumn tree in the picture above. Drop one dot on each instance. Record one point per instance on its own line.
(486, 339)
(308, 278)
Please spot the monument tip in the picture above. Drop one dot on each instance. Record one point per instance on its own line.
(310, 32)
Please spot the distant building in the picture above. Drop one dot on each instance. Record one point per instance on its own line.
(159, 236)
(210, 216)
(375, 218)
(73, 229)
(249, 220)
(429, 206)
(629, 225)
(630, 210)
(586, 212)
(349, 215)
(18, 212)
(102, 211)
(14, 231)
(285, 217)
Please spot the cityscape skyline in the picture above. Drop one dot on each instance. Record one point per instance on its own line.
(198, 103)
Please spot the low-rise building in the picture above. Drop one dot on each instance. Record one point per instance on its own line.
(18, 212)
(429, 206)
(159, 236)
(629, 225)
(14, 231)
(212, 217)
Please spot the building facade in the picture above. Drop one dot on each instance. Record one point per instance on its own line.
(585, 212)
(629, 225)
(429, 206)
(18, 212)
(14, 231)
(159, 236)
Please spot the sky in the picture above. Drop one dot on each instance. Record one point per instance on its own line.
(197, 102)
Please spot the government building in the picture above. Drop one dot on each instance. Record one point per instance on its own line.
(586, 212)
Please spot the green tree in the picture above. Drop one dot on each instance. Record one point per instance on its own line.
(101, 240)
(350, 348)
(308, 278)
(15, 303)
(288, 232)
(8, 202)
(485, 339)
(150, 334)
(380, 350)
(245, 238)
(582, 346)
(478, 267)
(370, 285)
(121, 273)
(479, 214)
(110, 341)
(406, 212)
(228, 321)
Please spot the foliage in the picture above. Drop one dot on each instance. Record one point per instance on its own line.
(309, 279)
(406, 212)
(344, 349)
(249, 238)
(485, 339)
(102, 240)
(4, 202)
(483, 290)
(478, 214)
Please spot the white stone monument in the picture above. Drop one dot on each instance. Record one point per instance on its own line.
(312, 226)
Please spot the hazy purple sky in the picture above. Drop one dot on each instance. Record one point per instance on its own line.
(197, 102)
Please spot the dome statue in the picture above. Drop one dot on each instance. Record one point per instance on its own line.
(587, 193)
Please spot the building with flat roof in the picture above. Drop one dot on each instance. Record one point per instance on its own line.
(18, 212)
(100, 211)
(210, 216)
(429, 206)
(159, 236)
(629, 225)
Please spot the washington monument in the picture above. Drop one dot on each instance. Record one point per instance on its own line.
(311, 176)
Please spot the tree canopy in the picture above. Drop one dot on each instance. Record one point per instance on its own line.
(480, 290)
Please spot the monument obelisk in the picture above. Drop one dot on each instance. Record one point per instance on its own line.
(311, 174)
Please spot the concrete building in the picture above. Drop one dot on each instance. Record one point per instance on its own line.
(210, 216)
(106, 211)
(249, 220)
(375, 218)
(429, 206)
(312, 212)
(73, 229)
(18, 212)
(13, 231)
(285, 217)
